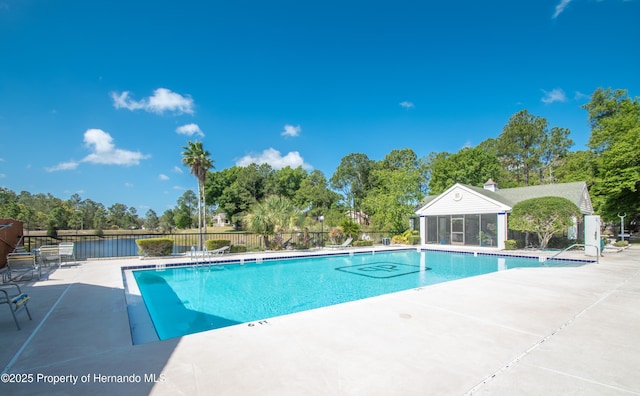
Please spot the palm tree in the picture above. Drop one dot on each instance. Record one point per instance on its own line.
(197, 159)
(272, 216)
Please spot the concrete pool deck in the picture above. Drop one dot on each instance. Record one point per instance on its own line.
(528, 331)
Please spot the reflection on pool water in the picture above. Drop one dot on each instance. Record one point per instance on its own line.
(189, 299)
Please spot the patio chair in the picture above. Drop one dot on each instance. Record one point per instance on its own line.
(288, 245)
(21, 263)
(67, 251)
(19, 249)
(218, 251)
(344, 244)
(215, 252)
(11, 295)
(49, 254)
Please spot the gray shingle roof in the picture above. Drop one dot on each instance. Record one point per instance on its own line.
(511, 196)
(490, 194)
(571, 191)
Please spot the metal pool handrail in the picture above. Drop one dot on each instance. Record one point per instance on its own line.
(578, 244)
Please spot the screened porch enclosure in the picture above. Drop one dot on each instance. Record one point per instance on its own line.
(468, 229)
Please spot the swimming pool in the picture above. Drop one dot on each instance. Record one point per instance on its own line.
(194, 298)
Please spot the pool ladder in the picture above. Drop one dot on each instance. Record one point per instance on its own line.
(576, 245)
(198, 257)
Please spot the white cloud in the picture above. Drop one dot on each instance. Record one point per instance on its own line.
(407, 105)
(105, 152)
(3, 175)
(190, 130)
(162, 100)
(555, 95)
(580, 96)
(290, 130)
(177, 169)
(560, 8)
(179, 188)
(163, 177)
(79, 192)
(70, 165)
(128, 185)
(273, 157)
(122, 101)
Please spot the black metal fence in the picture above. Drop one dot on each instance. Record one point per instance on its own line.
(124, 245)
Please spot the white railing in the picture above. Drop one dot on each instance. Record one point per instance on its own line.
(576, 245)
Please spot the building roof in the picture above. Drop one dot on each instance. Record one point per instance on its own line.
(575, 192)
(571, 191)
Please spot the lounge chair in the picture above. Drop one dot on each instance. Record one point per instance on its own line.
(11, 295)
(22, 263)
(287, 244)
(203, 254)
(67, 251)
(218, 251)
(215, 252)
(344, 244)
(49, 254)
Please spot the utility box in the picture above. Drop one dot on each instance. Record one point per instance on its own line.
(592, 235)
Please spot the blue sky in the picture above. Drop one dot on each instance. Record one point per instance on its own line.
(99, 97)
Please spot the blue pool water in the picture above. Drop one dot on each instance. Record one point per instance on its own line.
(190, 299)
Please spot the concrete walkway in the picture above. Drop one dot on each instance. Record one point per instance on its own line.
(529, 331)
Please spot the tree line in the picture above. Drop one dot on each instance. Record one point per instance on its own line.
(384, 194)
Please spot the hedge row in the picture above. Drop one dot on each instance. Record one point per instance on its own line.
(155, 247)
(213, 244)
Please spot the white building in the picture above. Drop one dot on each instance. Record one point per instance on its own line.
(468, 215)
(220, 220)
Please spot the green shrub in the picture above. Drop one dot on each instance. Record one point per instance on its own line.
(350, 228)
(409, 237)
(301, 245)
(213, 244)
(362, 243)
(155, 247)
(561, 242)
(621, 244)
(510, 244)
(52, 231)
(238, 249)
